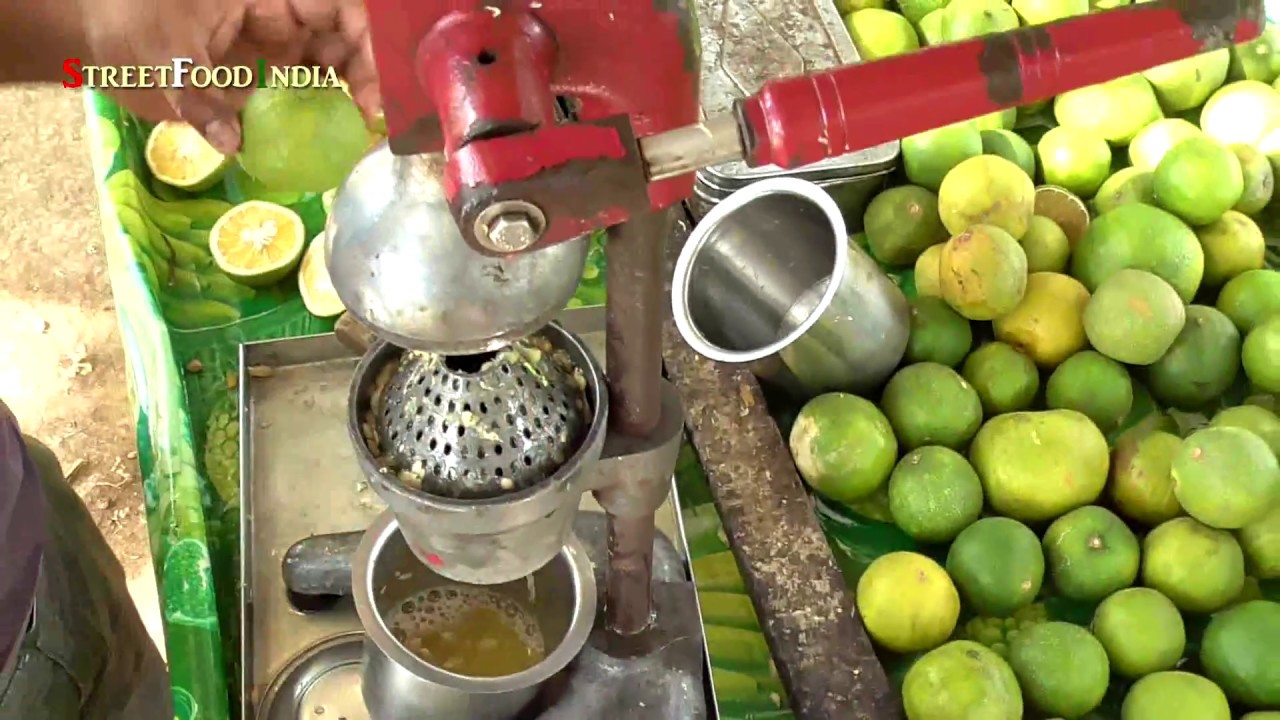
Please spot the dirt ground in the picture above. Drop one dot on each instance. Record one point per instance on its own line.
(61, 363)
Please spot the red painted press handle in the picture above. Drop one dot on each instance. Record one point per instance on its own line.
(798, 121)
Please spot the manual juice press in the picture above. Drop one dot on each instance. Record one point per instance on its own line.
(517, 128)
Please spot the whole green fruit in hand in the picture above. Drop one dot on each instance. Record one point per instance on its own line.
(301, 139)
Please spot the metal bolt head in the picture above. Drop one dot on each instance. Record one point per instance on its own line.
(511, 232)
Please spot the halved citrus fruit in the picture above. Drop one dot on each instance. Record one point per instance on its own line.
(317, 290)
(257, 243)
(178, 155)
(326, 200)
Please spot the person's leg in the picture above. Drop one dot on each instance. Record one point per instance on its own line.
(88, 655)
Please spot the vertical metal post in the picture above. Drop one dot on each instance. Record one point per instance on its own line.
(635, 261)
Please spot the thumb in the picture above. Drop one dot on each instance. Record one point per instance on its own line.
(208, 109)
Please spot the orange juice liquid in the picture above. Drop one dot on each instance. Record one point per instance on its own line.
(469, 631)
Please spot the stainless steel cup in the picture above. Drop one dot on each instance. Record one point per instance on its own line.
(769, 278)
(397, 685)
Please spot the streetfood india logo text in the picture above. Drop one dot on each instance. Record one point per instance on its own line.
(184, 72)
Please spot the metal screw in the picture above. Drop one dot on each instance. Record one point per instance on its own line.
(511, 232)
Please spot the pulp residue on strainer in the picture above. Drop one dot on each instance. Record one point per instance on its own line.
(477, 426)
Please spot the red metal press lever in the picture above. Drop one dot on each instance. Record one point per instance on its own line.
(797, 121)
(479, 79)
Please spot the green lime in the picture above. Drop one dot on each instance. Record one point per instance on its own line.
(1239, 653)
(880, 33)
(902, 222)
(1251, 298)
(968, 19)
(1141, 486)
(930, 28)
(1261, 356)
(1233, 244)
(1010, 146)
(1259, 179)
(1094, 384)
(1075, 160)
(257, 243)
(1036, 466)
(844, 7)
(961, 679)
(1061, 668)
(1175, 695)
(1046, 246)
(1157, 139)
(907, 602)
(843, 446)
(1258, 59)
(938, 333)
(929, 156)
(1199, 568)
(178, 155)
(1125, 187)
(1241, 112)
(930, 404)
(987, 190)
(934, 494)
(1142, 632)
(926, 273)
(1201, 365)
(1261, 544)
(1091, 553)
(1048, 324)
(1043, 12)
(314, 284)
(1198, 180)
(1187, 83)
(1116, 110)
(1006, 380)
(282, 129)
(1257, 420)
(1134, 317)
(998, 566)
(983, 272)
(917, 10)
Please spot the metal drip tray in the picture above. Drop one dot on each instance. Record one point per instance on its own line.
(300, 478)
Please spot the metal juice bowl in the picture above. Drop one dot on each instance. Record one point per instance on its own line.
(492, 540)
(398, 685)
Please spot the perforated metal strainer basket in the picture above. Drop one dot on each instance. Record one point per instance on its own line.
(479, 426)
(483, 459)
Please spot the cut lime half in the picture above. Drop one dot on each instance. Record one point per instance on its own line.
(314, 284)
(257, 243)
(178, 155)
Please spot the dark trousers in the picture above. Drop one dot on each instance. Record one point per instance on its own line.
(87, 655)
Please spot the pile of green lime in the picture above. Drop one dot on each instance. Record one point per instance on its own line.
(1085, 414)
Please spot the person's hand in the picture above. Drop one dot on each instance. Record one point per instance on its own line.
(329, 33)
